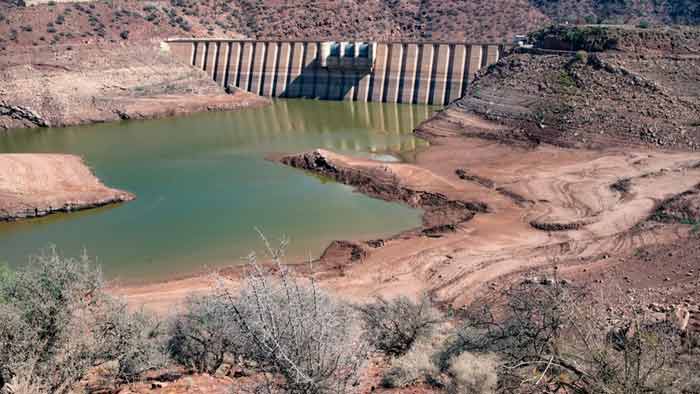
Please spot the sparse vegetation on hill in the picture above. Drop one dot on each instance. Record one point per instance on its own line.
(618, 88)
(468, 20)
(621, 11)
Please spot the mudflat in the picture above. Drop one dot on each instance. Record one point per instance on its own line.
(33, 185)
(496, 211)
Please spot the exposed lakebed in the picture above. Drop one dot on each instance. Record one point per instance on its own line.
(203, 185)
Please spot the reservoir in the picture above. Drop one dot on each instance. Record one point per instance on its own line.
(203, 186)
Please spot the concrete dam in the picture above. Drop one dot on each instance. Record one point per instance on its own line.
(394, 72)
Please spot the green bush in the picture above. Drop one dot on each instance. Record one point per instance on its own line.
(575, 38)
(582, 57)
(566, 80)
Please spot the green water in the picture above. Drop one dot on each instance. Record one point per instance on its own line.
(203, 185)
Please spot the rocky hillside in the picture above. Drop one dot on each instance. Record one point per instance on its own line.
(613, 86)
(134, 81)
(621, 11)
(55, 23)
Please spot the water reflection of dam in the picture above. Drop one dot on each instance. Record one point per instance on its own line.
(417, 73)
(376, 128)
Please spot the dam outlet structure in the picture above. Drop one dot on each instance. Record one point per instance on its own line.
(393, 72)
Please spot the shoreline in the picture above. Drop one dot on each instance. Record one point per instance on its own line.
(38, 185)
(513, 185)
(138, 81)
(143, 108)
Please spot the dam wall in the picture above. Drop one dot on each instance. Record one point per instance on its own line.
(398, 72)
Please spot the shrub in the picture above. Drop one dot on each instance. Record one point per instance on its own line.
(57, 322)
(474, 373)
(622, 185)
(24, 383)
(6, 276)
(573, 38)
(297, 331)
(184, 25)
(548, 331)
(416, 366)
(132, 340)
(124, 35)
(582, 57)
(16, 341)
(565, 80)
(203, 334)
(393, 326)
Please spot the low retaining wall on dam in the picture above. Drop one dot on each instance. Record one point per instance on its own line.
(418, 73)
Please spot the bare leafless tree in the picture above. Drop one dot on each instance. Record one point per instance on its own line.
(308, 341)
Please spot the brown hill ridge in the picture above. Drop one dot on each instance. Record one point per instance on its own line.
(469, 20)
(643, 90)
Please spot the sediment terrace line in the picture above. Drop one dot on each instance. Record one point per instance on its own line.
(397, 72)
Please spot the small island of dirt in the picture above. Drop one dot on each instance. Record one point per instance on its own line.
(33, 185)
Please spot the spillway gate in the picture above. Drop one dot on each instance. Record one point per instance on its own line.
(394, 72)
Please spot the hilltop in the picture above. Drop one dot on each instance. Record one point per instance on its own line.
(54, 23)
(597, 87)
